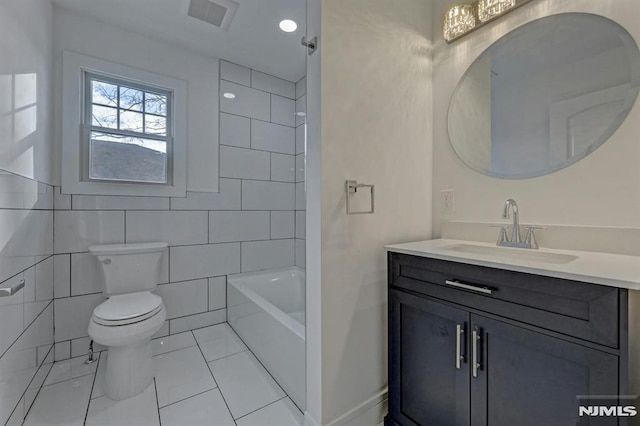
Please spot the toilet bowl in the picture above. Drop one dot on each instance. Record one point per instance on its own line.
(126, 322)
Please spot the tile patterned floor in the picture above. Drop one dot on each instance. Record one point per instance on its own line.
(205, 377)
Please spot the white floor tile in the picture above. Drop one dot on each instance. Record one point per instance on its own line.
(186, 390)
(141, 410)
(102, 367)
(181, 374)
(173, 343)
(204, 409)
(280, 413)
(63, 403)
(69, 369)
(244, 383)
(218, 342)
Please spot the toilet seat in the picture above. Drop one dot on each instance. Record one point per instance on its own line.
(126, 309)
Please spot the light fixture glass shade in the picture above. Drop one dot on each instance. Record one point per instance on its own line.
(458, 20)
(489, 9)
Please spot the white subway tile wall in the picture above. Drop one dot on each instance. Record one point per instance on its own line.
(260, 195)
(235, 73)
(26, 335)
(247, 102)
(217, 293)
(93, 202)
(235, 130)
(251, 224)
(271, 84)
(273, 137)
(282, 224)
(283, 111)
(283, 167)
(260, 255)
(186, 228)
(239, 226)
(244, 163)
(185, 298)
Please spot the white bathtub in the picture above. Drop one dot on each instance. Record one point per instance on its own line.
(267, 310)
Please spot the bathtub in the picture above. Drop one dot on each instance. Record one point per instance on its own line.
(267, 310)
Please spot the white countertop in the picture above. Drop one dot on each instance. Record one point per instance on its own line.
(612, 270)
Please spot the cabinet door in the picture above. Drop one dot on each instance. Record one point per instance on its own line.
(527, 378)
(428, 384)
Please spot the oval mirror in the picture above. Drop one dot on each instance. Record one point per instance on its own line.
(544, 96)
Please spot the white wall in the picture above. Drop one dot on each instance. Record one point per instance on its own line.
(26, 203)
(599, 191)
(376, 109)
(85, 35)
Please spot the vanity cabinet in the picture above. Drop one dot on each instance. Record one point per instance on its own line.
(471, 345)
(424, 337)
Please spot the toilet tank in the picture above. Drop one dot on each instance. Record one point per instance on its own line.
(129, 268)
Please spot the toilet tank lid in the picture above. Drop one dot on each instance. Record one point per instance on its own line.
(114, 249)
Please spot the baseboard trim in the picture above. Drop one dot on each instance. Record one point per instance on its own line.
(361, 409)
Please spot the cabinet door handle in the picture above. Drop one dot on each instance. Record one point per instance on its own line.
(459, 340)
(485, 290)
(475, 342)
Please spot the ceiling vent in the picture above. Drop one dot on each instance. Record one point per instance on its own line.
(219, 13)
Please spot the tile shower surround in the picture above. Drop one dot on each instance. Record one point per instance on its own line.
(26, 334)
(255, 222)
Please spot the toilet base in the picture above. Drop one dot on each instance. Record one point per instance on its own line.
(130, 370)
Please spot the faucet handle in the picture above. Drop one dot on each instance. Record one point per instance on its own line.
(531, 236)
(503, 233)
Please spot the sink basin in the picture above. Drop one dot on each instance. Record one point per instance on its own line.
(505, 253)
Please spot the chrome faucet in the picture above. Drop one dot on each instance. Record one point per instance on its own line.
(510, 206)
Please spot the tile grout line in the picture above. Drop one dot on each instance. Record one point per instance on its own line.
(27, 411)
(70, 379)
(264, 406)
(174, 350)
(259, 119)
(259, 362)
(39, 389)
(101, 359)
(26, 328)
(213, 377)
(155, 387)
(185, 399)
(93, 383)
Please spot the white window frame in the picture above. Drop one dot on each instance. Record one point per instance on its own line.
(75, 179)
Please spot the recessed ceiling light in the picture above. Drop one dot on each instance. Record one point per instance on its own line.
(229, 95)
(288, 26)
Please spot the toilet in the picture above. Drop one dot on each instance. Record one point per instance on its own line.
(126, 322)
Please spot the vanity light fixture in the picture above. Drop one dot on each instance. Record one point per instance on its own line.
(229, 95)
(464, 18)
(288, 26)
(488, 9)
(458, 21)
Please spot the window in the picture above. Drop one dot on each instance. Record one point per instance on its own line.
(124, 130)
(127, 135)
